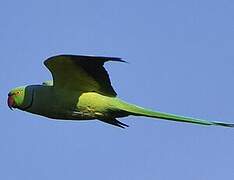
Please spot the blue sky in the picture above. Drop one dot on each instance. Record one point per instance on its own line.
(181, 61)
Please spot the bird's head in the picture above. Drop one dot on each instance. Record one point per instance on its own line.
(16, 97)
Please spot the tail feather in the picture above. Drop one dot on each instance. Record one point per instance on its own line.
(139, 111)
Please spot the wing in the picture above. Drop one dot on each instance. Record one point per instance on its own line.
(83, 73)
(47, 83)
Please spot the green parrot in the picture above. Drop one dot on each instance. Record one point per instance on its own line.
(81, 90)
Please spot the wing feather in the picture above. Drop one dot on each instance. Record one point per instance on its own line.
(83, 73)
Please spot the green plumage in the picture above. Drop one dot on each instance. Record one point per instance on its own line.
(81, 90)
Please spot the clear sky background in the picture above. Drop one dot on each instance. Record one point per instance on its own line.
(181, 61)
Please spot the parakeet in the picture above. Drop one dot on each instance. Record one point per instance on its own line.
(81, 90)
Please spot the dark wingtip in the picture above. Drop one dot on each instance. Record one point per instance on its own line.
(105, 58)
(115, 122)
(122, 124)
(117, 59)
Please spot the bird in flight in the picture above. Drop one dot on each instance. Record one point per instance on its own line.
(81, 90)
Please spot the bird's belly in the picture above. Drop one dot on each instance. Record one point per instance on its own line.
(71, 115)
(82, 111)
(86, 114)
(78, 107)
(88, 110)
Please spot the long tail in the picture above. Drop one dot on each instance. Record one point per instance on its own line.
(139, 111)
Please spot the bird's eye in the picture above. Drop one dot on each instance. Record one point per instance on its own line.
(17, 93)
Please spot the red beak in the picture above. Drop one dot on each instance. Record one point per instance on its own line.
(10, 102)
